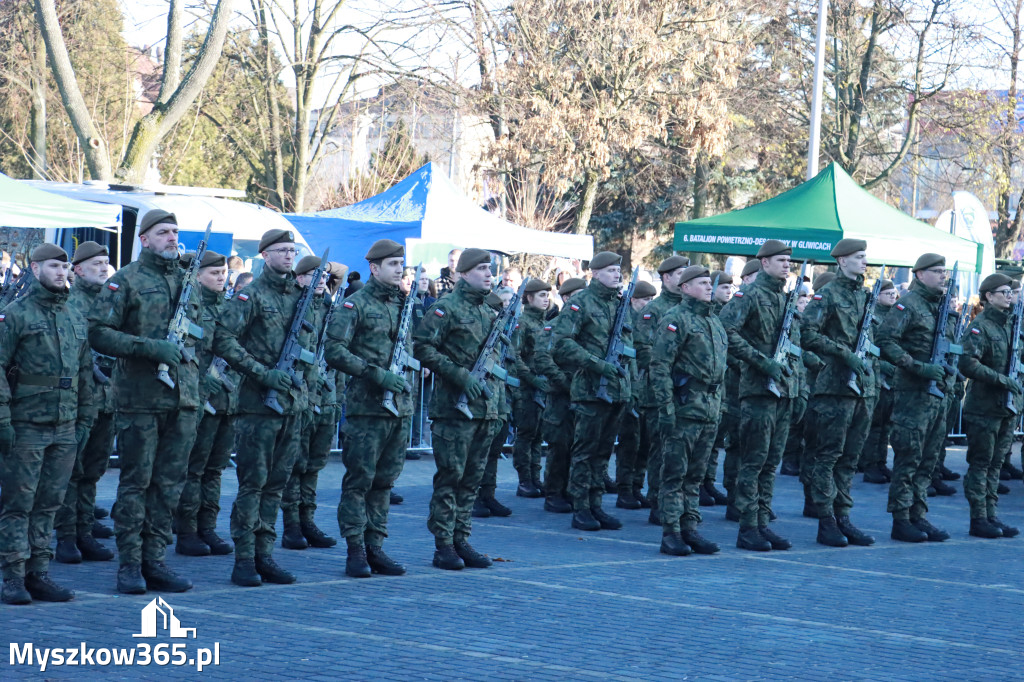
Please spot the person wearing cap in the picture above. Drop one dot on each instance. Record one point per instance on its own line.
(47, 407)
(447, 342)
(876, 446)
(557, 428)
(582, 333)
(687, 370)
(710, 494)
(987, 417)
(255, 326)
(630, 493)
(840, 417)
(196, 513)
(75, 523)
(798, 454)
(749, 272)
(753, 318)
(156, 423)
(919, 417)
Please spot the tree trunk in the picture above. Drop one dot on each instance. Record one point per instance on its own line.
(586, 207)
(701, 180)
(1007, 229)
(172, 53)
(273, 157)
(37, 130)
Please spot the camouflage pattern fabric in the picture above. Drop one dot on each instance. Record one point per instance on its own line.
(595, 426)
(374, 456)
(460, 467)
(199, 503)
(764, 427)
(77, 513)
(687, 448)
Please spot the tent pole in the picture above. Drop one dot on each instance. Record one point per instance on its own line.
(819, 72)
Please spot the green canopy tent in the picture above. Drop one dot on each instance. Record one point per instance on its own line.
(22, 206)
(815, 215)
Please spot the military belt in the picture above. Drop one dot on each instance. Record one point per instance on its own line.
(51, 382)
(701, 386)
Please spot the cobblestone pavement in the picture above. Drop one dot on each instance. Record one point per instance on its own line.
(561, 604)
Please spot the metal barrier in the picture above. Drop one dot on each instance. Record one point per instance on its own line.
(419, 434)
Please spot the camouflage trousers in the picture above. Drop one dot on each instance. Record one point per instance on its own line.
(596, 425)
(987, 438)
(33, 479)
(918, 429)
(796, 443)
(632, 452)
(374, 458)
(730, 439)
(298, 501)
(841, 425)
(558, 432)
(199, 504)
(460, 455)
(489, 481)
(267, 446)
(764, 427)
(876, 447)
(684, 461)
(153, 453)
(649, 416)
(78, 512)
(526, 454)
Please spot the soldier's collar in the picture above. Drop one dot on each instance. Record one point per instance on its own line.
(601, 290)
(671, 295)
(47, 297)
(696, 305)
(924, 291)
(849, 282)
(276, 281)
(471, 294)
(383, 291)
(210, 297)
(156, 262)
(768, 282)
(86, 286)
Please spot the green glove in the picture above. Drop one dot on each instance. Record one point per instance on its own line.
(776, 370)
(853, 362)
(277, 379)
(1010, 384)
(390, 381)
(210, 384)
(541, 384)
(927, 370)
(605, 369)
(164, 352)
(6, 437)
(473, 387)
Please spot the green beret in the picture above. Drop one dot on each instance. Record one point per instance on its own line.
(604, 260)
(87, 250)
(673, 263)
(185, 259)
(848, 247)
(212, 259)
(722, 276)
(384, 248)
(536, 284)
(471, 258)
(153, 218)
(48, 252)
(823, 279)
(271, 237)
(307, 264)
(1015, 284)
(644, 290)
(493, 300)
(886, 285)
(693, 272)
(773, 247)
(570, 285)
(993, 282)
(928, 260)
(751, 267)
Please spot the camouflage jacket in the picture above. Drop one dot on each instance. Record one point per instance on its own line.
(688, 365)
(137, 304)
(531, 327)
(326, 396)
(558, 381)
(907, 335)
(985, 360)
(647, 327)
(251, 334)
(45, 361)
(447, 342)
(752, 318)
(363, 334)
(886, 370)
(83, 296)
(582, 332)
(222, 400)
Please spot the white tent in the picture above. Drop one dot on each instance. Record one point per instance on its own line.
(969, 219)
(23, 206)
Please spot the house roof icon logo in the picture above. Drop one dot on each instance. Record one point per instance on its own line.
(159, 615)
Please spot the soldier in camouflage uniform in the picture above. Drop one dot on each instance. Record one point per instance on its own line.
(448, 341)
(840, 416)
(686, 372)
(753, 319)
(250, 336)
(582, 331)
(876, 447)
(361, 341)
(919, 417)
(670, 270)
(76, 522)
(804, 374)
(528, 407)
(988, 420)
(46, 409)
(156, 424)
(710, 494)
(196, 515)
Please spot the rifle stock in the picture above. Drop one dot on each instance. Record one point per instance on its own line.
(941, 346)
(181, 327)
(617, 349)
(864, 345)
(784, 346)
(401, 359)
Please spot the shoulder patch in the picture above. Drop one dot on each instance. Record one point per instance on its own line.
(901, 306)
(738, 294)
(2, 317)
(672, 327)
(243, 297)
(439, 312)
(348, 304)
(573, 306)
(517, 325)
(113, 286)
(547, 329)
(975, 330)
(647, 316)
(817, 297)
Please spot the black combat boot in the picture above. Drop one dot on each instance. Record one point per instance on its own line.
(92, 550)
(609, 485)
(607, 521)
(42, 588)
(100, 512)
(445, 557)
(271, 572)
(942, 488)
(190, 544)
(1015, 473)
(732, 513)
(853, 534)
(316, 537)
(829, 533)
(699, 543)
(480, 510)
(641, 498)
(14, 592)
(810, 509)
(244, 573)
(218, 546)
(528, 489)
(751, 538)
(947, 474)
(470, 557)
(396, 498)
(705, 499)
(381, 563)
(1008, 531)
(292, 537)
(718, 495)
(584, 520)
(1003, 489)
(101, 532)
(981, 528)
(356, 565)
(777, 541)
(556, 504)
(496, 508)
(874, 474)
(162, 579)
(129, 579)
(904, 531)
(934, 534)
(654, 516)
(674, 545)
(67, 551)
(625, 500)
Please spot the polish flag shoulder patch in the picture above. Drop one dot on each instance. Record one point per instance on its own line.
(672, 328)
(975, 330)
(901, 306)
(547, 329)
(738, 294)
(573, 306)
(817, 297)
(439, 312)
(517, 325)
(647, 316)
(243, 297)
(113, 286)
(348, 304)
(3, 318)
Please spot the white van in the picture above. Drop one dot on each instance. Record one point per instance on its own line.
(237, 225)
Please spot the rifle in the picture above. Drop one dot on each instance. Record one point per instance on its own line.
(510, 328)
(1013, 366)
(321, 349)
(864, 345)
(180, 327)
(16, 289)
(7, 279)
(219, 371)
(401, 359)
(616, 348)
(97, 373)
(485, 366)
(783, 344)
(941, 346)
(292, 351)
